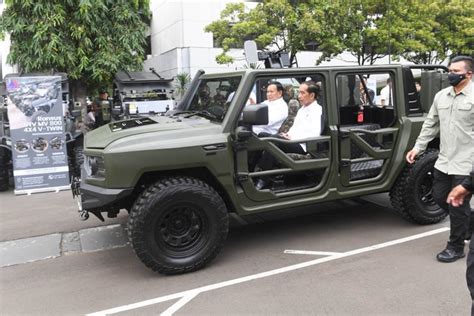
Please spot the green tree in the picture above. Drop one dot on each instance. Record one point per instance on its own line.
(420, 42)
(439, 29)
(286, 25)
(90, 40)
(357, 27)
(182, 80)
(423, 31)
(373, 29)
(454, 31)
(369, 29)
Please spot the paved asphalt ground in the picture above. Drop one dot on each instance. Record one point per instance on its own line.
(349, 259)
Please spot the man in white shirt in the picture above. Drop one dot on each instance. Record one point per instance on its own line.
(386, 94)
(308, 119)
(307, 124)
(277, 110)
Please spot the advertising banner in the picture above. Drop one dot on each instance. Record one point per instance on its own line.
(35, 112)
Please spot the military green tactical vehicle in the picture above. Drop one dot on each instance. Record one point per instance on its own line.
(182, 175)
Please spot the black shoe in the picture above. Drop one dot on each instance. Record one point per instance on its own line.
(449, 255)
(261, 184)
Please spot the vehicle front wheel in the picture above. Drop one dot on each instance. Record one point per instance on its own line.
(412, 194)
(178, 225)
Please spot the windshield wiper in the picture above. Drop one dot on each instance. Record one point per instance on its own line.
(203, 113)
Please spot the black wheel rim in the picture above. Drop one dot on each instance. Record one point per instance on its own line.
(425, 192)
(181, 231)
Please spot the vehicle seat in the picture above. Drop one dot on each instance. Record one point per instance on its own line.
(293, 107)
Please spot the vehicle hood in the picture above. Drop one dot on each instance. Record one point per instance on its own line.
(107, 134)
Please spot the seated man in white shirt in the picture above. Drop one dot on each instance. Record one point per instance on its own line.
(307, 124)
(277, 110)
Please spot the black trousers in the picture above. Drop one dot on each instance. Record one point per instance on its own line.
(458, 216)
(268, 162)
(470, 272)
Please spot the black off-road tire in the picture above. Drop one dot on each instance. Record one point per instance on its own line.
(178, 225)
(5, 166)
(411, 195)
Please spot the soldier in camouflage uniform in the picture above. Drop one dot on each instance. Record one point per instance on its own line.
(204, 98)
(293, 107)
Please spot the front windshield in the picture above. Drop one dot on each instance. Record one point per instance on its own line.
(214, 96)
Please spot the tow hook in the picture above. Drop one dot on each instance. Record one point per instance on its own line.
(76, 194)
(84, 215)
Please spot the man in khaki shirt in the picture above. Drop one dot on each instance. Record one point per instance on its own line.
(452, 115)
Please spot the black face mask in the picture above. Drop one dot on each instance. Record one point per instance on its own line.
(455, 79)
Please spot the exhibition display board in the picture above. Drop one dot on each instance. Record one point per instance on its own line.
(35, 111)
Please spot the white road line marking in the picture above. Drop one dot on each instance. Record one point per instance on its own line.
(266, 274)
(176, 306)
(312, 253)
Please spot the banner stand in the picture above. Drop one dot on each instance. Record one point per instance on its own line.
(37, 128)
(29, 192)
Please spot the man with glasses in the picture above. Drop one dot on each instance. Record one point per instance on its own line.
(277, 110)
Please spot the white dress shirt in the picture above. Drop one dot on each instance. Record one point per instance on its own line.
(277, 114)
(307, 123)
(387, 94)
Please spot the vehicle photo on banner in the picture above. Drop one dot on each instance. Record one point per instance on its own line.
(40, 161)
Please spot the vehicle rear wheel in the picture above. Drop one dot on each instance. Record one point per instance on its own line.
(5, 166)
(411, 195)
(178, 225)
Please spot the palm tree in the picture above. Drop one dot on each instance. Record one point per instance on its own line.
(182, 79)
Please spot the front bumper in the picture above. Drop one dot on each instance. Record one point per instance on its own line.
(93, 197)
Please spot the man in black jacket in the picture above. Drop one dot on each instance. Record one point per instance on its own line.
(456, 198)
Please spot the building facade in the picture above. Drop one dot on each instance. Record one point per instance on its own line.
(178, 41)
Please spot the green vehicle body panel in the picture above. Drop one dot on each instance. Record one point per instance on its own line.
(172, 145)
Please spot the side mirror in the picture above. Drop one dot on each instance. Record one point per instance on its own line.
(255, 114)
